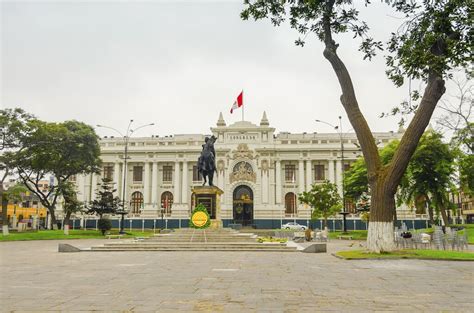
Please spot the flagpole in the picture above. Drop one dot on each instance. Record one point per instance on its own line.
(243, 108)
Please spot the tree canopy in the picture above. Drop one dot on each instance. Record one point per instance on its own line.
(429, 177)
(60, 150)
(324, 199)
(105, 202)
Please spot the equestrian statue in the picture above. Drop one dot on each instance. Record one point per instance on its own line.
(207, 160)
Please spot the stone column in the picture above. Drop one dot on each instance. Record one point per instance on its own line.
(221, 180)
(154, 185)
(278, 181)
(146, 185)
(309, 176)
(176, 183)
(264, 180)
(331, 171)
(339, 176)
(301, 176)
(117, 177)
(184, 191)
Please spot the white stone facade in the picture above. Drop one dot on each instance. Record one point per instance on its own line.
(272, 165)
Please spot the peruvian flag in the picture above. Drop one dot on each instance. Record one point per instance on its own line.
(238, 103)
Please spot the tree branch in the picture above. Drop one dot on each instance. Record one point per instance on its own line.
(396, 168)
(349, 100)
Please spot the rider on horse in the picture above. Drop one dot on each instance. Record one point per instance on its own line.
(207, 160)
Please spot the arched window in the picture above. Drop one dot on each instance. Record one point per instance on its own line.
(136, 202)
(167, 202)
(290, 203)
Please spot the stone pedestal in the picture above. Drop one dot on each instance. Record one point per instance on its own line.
(210, 197)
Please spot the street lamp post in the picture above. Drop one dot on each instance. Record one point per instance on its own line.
(126, 139)
(339, 130)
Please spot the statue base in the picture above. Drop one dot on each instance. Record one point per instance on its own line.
(210, 197)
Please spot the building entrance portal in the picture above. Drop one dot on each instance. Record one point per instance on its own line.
(243, 205)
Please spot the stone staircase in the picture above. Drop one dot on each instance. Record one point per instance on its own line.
(197, 240)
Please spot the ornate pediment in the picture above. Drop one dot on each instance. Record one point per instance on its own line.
(243, 171)
(243, 152)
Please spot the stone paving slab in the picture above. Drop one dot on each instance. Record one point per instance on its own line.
(34, 277)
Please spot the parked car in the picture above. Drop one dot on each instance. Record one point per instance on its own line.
(294, 226)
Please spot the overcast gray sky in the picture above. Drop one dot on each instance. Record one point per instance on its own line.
(178, 64)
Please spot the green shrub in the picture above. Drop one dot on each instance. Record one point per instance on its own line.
(104, 225)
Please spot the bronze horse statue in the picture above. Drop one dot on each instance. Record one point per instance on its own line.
(207, 160)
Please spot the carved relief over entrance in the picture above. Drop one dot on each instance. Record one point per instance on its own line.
(243, 152)
(243, 171)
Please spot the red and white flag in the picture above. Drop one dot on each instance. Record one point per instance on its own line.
(238, 103)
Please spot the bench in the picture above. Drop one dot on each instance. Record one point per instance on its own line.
(347, 237)
(114, 236)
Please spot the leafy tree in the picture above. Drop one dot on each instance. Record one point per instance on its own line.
(71, 203)
(13, 194)
(434, 39)
(363, 206)
(104, 224)
(14, 125)
(105, 202)
(60, 150)
(429, 176)
(466, 173)
(324, 199)
(355, 179)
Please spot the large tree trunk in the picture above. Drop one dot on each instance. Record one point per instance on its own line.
(383, 179)
(431, 214)
(52, 216)
(4, 215)
(380, 236)
(67, 218)
(444, 216)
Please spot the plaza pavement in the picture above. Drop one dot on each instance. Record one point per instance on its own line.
(34, 277)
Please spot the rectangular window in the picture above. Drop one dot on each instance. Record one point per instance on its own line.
(108, 172)
(72, 179)
(196, 175)
(290, 173)
(319, 172)
(137, 173)
(167, 173)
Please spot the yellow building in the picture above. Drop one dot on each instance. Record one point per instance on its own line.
(24, 213)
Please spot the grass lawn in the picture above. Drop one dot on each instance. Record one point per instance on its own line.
(356, 234)
(73, 234)
(409, 254)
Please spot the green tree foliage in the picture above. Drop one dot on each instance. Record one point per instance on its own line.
(14, 125)
(60, 150)
(429, 177)
(434, 35)
(324, 199)
(466, 173)
(71, 203)
(355, 179)
(105, 202)
(104, 225)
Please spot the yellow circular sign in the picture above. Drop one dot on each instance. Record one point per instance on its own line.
(199, 219)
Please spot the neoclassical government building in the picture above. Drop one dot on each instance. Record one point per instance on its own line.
(260, 171)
